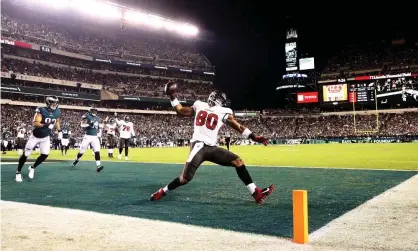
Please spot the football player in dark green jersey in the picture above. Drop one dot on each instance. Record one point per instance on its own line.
(45, 120)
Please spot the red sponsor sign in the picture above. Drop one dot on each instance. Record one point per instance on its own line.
(307, 97)
(16, 43)
(362, 78)
(23, 45)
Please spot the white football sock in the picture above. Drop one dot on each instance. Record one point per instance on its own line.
(97, 162)
(251, 187)
(165, 189)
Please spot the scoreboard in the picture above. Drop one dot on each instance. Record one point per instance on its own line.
(361, 92)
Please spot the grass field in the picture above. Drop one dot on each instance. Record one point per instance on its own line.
(370, 156)
(216, 198)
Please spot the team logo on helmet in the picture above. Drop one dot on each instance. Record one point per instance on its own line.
(93, 111)
(217, 98)
(52, 102)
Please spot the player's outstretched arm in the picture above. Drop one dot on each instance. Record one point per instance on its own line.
(184, 111)
(230, 121)
(170, 90)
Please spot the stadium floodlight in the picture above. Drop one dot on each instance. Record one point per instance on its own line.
(187, 29)
(134, 16)
(111, 10)
(155, 21)
(62, 4)
(108, 11)
(97, 8)
(169, 25)
(190, 30)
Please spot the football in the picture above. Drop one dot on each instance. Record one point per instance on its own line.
(170, 88)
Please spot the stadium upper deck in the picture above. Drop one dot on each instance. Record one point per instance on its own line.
(81, 33)
(373, 59)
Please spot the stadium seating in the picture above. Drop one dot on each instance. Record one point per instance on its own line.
(130, 85)
(90, 40)
(149, 126)
(371, 59)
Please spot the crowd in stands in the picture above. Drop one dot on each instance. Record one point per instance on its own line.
(373, 58)
(171, 127)
(96, 65)
(118, 83)
(108, 41)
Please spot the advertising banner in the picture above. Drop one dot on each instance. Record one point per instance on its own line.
(307, 97)
(44, 92)
(16, 43)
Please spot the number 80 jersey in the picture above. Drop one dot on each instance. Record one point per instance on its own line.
(207, 122)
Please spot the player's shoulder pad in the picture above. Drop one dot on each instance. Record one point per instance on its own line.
(226, 111)
(84, 115)
(197, 104)
(58, 112)
(40, 109)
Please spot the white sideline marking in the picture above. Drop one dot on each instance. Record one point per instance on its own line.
(316, 167)
(62, 228)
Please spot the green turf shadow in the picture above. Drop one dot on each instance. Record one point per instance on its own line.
(216, 198)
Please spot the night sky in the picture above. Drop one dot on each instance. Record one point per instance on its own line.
(248, 51)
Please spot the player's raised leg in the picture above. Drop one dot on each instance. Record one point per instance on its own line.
(196, 157)
(258, 194)
(224, 157)
(45, 147)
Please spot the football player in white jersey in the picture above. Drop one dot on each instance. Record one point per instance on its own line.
(20, 141)
(126, 132)
(208, 119)
(110, 131)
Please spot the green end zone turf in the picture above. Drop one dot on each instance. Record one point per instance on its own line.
(216, 198)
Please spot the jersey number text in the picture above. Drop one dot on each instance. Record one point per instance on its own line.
(210, 120)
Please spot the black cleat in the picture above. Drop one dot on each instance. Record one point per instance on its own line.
(99, 168)
(74, 163)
